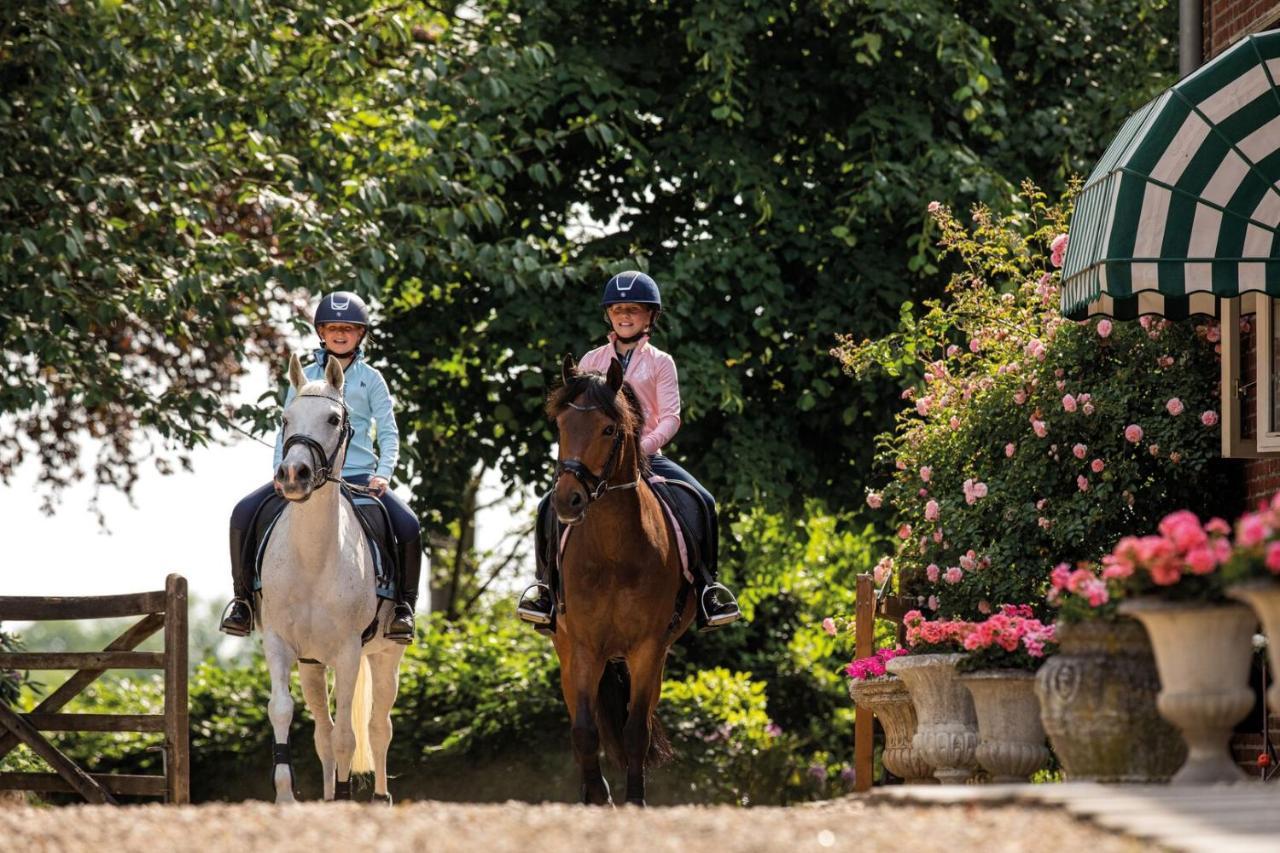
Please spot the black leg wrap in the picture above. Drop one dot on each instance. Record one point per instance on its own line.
(384, 799)
(280, 753)
(342, 790)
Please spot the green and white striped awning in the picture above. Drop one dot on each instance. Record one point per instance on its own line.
(1184, 207)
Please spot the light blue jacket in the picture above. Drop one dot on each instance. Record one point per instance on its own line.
(372, 415)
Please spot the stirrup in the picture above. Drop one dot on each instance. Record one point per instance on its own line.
(235, 632)
(731, 612)
(402, 636)
(528, 614)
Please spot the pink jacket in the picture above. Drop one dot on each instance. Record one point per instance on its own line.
(652, 375)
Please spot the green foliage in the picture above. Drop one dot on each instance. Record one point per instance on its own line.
(1012, 455)
(11, 680)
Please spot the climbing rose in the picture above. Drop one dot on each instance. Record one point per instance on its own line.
(1174, 406)
(932, 572)
(1080, 450)
(1082, 483)
(1039, 427)
(874, 500)
(1133, 433)
(1209, 418)
(953, 575)
(1010, 449)
(931, 511)
(1058, 250)
(829, 625)
(1069, 403)
(1097, 465)
(925, 473)
(935, 206)
(1104, 328)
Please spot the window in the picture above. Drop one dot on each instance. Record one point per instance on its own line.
(1250, 386)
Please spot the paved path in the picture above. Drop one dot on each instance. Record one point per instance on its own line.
(1239, 818)
(853, 824)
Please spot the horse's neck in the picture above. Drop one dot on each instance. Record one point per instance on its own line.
(314, 523)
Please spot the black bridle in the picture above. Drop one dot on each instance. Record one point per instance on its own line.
(596, 485)
(322, 464)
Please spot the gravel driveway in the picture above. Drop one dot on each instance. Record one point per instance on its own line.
(847, 824)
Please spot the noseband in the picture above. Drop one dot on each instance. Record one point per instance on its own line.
(322, 465)
(596, 485)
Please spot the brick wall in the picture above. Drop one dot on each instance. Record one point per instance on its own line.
(1262, 480)
(1225, 21)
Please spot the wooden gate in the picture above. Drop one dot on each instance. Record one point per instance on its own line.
(870, 606)
(165, 609)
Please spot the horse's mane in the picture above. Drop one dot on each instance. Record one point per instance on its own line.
(624, 407)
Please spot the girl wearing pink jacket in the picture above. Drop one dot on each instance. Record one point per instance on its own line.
(632, 304)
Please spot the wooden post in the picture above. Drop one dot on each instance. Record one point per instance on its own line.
(176, 744)
(864, 646)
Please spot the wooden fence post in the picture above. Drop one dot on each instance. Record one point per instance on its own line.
(176, 746)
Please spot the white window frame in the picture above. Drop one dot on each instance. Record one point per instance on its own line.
(1265, 443)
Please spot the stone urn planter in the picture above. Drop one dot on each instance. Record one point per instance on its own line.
(946, 726)
(1010, 736)
(889, 700)
(1202, 653)
(1098, 706)
(1264, 597)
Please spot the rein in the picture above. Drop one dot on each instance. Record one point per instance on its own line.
(596, 485)
(322, 465)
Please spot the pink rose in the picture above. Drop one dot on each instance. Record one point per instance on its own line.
(975, 346)
(1104, 328)
(1082, 483)
(1174, 406)
(1154, 450)
(953, 351)
(1069, 403)
(937, 535)
(1088, 408)
(1273, 557)
(1133, 433)
(935, 206)
(1010, 449)
(931, 572)
(953, 575)
(829, 625)
(1019, 396)
(954, 422)
(874, 500)
(925, 473)
(1040, 428)
(904, 532)
(1097, 465)
(1058, 250)
(932, 602)
(883, 569)
(1213, 335)
(1209, 418)
(1079, 451)
(931, 511)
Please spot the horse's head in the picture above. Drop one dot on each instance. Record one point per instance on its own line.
(598, 419)
(316, 431)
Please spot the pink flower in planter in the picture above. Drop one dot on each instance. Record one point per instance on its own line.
(1252, 530)
(1217, 526)
(1104, 328)
(1079, 451)
(1273, 557)
(1201, 560)
(931, 511)
(1174, 406)
(1082, 483)
(829, 625)
(1209, 418)
(953, 574)
(932, 572)
(1133, 433)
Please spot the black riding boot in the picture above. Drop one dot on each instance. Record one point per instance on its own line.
(237, 618)
(400, 628)
(537, 605)
(717, 606)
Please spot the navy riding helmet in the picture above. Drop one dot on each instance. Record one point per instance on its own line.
(631, 286)
(342, 306)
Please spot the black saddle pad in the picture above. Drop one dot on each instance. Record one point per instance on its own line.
(377, 530)
(687, 506)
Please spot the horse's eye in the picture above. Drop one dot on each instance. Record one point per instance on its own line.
(333, 419)
(609, 430)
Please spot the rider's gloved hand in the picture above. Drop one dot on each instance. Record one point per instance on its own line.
(378, 485)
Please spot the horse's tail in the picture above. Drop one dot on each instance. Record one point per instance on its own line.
(611, 717)
(361, 712)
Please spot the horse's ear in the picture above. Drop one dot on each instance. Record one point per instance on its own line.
(615, 375)
(568, 369)
(296, 379)
(333, 373)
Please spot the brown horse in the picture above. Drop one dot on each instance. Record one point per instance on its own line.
(625, 600)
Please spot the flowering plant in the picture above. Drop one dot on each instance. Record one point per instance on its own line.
(1027, 439)
(1010, 638)
(1257, 545)
(861, 669)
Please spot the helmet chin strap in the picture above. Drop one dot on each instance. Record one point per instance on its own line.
(632, 339)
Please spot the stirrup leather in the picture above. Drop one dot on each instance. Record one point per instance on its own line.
(527, 614)
(731, 614)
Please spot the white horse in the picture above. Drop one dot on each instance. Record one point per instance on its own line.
(318, 597)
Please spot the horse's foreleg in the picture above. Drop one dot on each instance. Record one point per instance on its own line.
(645, 667)
(584, 678)
(384, 670)
(315, 690)
(280, 661)
(345, 669)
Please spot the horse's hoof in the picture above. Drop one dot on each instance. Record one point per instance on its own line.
(342, 790)
(382, 799)
(638, 803)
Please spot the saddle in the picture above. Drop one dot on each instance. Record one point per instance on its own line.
(374, 520)
(684, 510)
